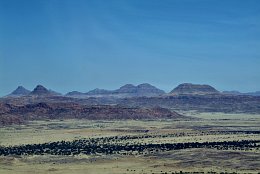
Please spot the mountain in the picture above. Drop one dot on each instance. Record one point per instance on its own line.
(144, 89)
(189, 88)
(41, 90)
(38, 90)
(75, 93)
(93, 93)
(98, 91)
(20, 91)
(15, 109)
(127, 90)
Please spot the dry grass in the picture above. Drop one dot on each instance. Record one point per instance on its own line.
(179, 160)
(182, 160)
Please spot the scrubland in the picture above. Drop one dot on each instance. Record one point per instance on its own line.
(210, 127)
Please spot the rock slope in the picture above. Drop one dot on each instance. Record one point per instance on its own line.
(38, 111)
(20, 91)
(189, 88)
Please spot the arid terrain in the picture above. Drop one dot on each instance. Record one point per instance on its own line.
(129, 87)
(137, 134)
(192, 129)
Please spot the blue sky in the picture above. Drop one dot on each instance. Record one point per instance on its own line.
(79, 45)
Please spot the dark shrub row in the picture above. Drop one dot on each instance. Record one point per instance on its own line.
(111, 145)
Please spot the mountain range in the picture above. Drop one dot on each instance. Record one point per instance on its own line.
(143, 101)
(129, 90)
(38, 90)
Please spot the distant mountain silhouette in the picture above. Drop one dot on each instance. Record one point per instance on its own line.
(127, 90)
(74, 93)
(232, 92)
(54, 92)
(93, 92)
(98, 91)
(148, 90)
(189, 88)
(185, 97)
(41, 90)
(20, 91)
(130, 90)
(257, 93)
(144, 89)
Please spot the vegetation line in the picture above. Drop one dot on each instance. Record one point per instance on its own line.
(111, 145)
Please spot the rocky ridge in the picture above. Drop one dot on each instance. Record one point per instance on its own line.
(127, 90)
(38, 111)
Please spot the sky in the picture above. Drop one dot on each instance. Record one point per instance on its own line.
(68, 45)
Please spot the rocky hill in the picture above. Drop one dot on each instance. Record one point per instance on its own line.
(149, 90)
(75, 93)
(5, 118)
(144, 89)
(98, 91)
(128, 88)
(189, 88)
(10, 119)
(19, 91)
(40, 90)
(37, 111)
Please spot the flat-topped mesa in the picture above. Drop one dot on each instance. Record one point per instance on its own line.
(189, 88)
(40, 90)
(20, 91)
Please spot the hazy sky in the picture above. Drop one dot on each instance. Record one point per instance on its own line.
(79, 45)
